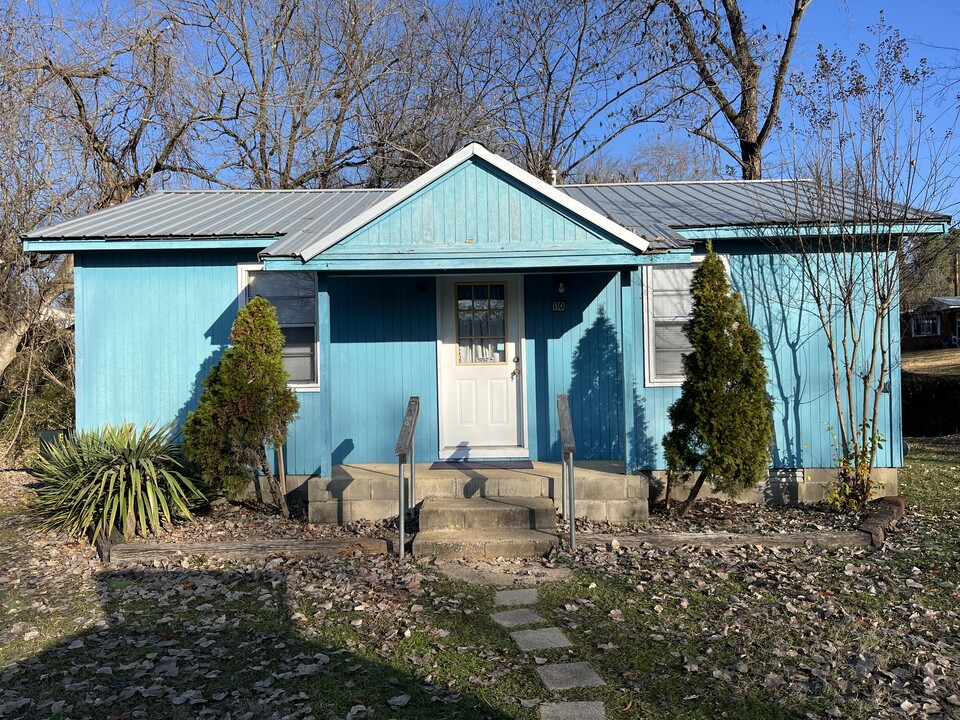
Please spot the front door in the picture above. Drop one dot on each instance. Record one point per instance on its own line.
(480, 368)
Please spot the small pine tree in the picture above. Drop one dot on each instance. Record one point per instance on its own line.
(245, 406)
(722, 423)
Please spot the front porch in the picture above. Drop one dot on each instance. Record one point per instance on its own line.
(370, 491)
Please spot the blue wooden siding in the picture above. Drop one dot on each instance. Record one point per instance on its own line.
(577, 352)
(383, 334)
(473, 217)
(150, 324)
(797, 363)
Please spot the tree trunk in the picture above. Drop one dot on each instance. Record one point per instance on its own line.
(751, 158)
(692, 498)
(668, 488)
(279, 497)
(281, 471)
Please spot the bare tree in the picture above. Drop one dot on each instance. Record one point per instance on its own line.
(284, 80)
(92, 113)
(442, 94)
(654, 159)
(734, 71)
(572, 79)
(878, 165)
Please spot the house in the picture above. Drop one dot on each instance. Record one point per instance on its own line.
(933, 325)
(478, 288)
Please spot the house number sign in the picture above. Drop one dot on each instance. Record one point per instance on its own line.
(559, 306)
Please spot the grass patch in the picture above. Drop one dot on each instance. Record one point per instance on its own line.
(933, 362)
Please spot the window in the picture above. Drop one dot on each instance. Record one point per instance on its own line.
(294, 295)
(668, 305)
(926, 324)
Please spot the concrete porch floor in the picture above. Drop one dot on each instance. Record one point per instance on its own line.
(369, 491)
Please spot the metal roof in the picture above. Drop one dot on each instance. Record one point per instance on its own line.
(216, 214)
(653, 211)
(945, 303)
(723, 203)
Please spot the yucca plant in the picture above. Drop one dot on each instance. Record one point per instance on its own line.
(117, 477)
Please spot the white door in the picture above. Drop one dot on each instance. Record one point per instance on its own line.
(480, 367)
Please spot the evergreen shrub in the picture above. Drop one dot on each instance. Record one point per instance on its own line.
(244, 407)
(722, 423)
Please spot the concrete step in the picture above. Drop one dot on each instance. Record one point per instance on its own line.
(486, 514)
(503, 542)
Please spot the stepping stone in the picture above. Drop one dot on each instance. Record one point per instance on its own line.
(515, 618)
(565, 676)
(541, 639)
(592, 710)
(516, 597)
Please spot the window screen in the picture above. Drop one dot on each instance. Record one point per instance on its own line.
(294, 295)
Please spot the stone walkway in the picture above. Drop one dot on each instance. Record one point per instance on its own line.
(556, 676)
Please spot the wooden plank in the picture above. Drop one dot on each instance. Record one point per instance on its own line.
(252, 549)
(408, 427)
(726, 541)
(566, 425)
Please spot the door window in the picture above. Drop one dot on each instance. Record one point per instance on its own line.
(481, 323)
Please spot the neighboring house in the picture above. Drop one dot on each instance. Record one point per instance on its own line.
(479, 288)
(935, 324)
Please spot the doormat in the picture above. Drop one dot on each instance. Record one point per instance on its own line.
(475, 465)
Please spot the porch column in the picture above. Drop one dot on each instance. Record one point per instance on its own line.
(325, 428)
(631, 336)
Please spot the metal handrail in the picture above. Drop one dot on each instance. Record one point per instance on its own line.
(407, 447)
(567, 446)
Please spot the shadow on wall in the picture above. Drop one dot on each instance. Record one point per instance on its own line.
(218, 335)
(595, 393)
(596, 404)
(210, 643)
(642, 446)
(773, 296)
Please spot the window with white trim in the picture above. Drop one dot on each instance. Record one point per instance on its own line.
(668, 305)
(926, 324)
(294, 295)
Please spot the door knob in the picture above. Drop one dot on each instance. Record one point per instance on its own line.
(515, 373)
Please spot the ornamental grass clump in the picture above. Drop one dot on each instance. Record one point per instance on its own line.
(115, 478)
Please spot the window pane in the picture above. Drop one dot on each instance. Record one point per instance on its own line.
(669, 364)
(496, 322)
(466, 353)
(300, 368)
(673, 278)
(294, 311)
(672, 304)
(669, 336)
(480, 296)
(465, 328)
(482, 324)
(281, 284)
